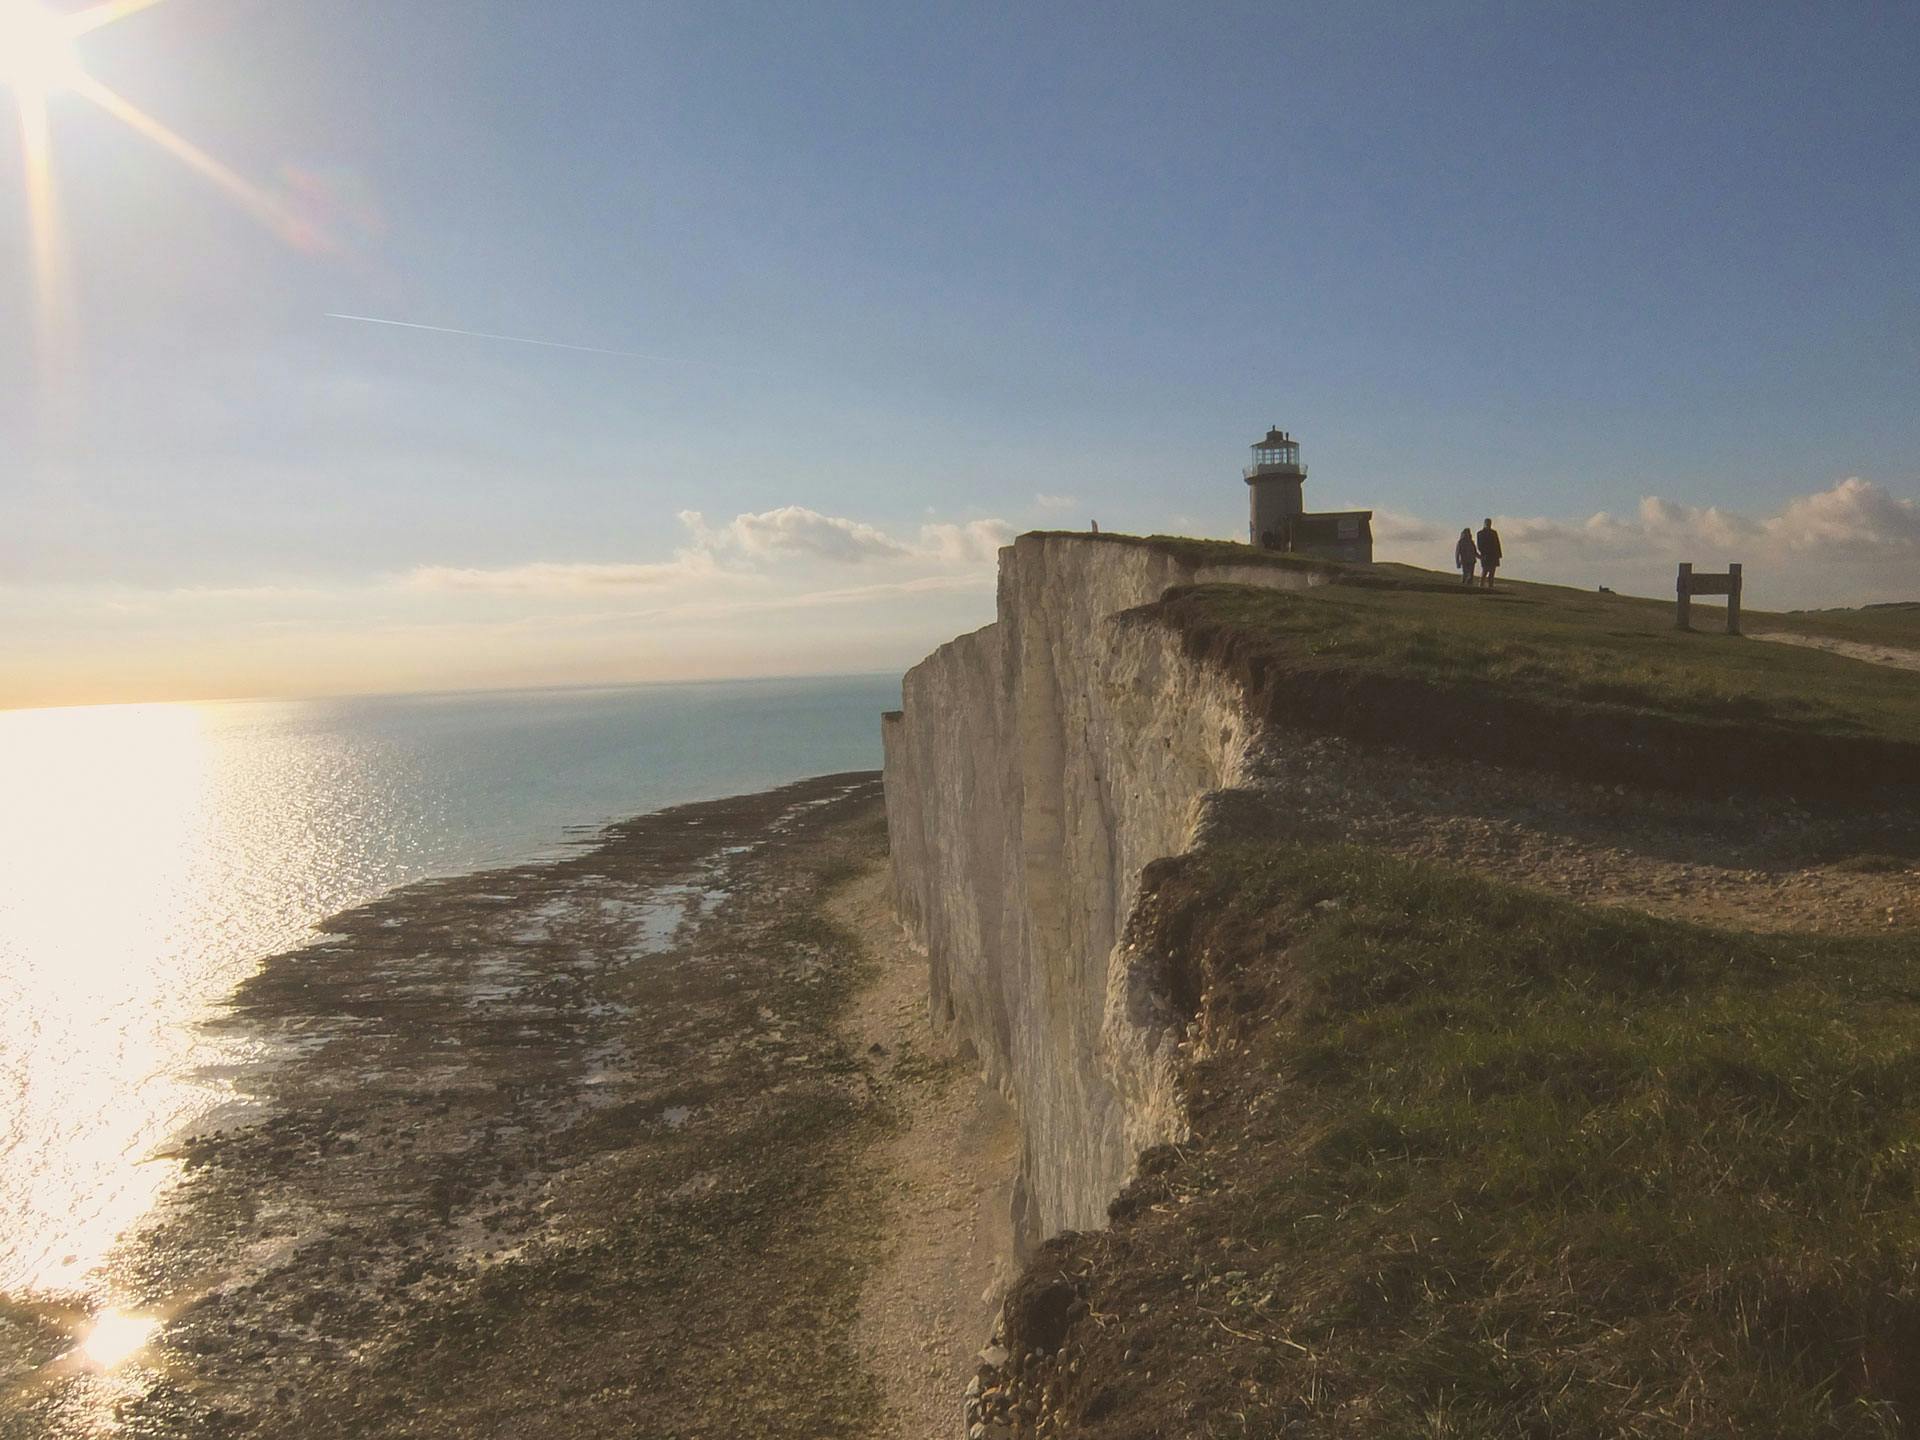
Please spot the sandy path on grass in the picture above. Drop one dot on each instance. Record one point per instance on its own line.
(946, 1197)
(1893, 655)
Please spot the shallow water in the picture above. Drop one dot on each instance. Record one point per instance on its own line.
(151, 855)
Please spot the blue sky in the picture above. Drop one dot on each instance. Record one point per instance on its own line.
(910, 266)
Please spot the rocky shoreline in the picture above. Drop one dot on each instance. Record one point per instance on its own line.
(576, 1148)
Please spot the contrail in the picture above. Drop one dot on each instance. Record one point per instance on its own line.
(523, 340)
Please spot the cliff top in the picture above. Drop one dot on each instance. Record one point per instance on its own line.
(1893, 622)
(1193, 551)
(1548, 675)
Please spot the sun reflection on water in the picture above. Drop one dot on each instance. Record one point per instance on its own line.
(104, 819)
(151, 855)
(148, 855)
(116, 1337)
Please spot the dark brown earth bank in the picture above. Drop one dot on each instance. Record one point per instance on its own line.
(574, 1148)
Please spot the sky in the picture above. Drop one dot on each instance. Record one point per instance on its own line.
(892, 283)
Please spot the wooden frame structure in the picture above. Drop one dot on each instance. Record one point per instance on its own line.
(1690, 585)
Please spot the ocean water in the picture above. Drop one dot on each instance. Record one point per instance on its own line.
(151, 855)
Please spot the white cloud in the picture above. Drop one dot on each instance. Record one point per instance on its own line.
(794, 529)
(1853, 513)
(1397, 528)
(561, 578)
(973, 544)
(791, 543)
(1056, 502)
(1849, 544)
(712, 609)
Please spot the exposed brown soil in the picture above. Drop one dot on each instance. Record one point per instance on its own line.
(1757, 864)
(570, 1149)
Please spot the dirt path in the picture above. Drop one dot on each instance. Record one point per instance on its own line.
(1897, 656)
(946, 1187)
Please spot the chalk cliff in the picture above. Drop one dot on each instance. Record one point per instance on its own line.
(1036, 767)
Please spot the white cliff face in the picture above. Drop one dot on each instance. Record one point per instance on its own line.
(1038, 765)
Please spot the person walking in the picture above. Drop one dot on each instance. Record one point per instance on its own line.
(1464, 555)
(1487, 543)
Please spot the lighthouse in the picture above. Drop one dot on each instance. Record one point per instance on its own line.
(1274, 479)
(1277, 515)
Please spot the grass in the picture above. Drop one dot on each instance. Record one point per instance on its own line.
(1597, 684)
(1194, 551)
(1519, 639)
(1471, 1161)
(1896, 623)
(1533, 642)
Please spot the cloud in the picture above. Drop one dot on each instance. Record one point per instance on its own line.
(975, 543)
(791, 543)
(794, 529)
(1397, 528)
(1853, 513)
(1853, 542)
(797, 531)
(1056, 502)
(815, 599)
(781, 591)
(553, 578)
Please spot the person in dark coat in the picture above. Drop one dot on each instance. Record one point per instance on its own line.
(1465, 556)
(1487, 542)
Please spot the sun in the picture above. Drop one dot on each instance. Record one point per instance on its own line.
(37, 56)
(39, 60)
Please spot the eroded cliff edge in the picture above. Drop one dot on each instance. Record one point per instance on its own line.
(1489, 906)
(1036, 767)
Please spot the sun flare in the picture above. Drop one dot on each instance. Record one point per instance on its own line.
(39, 60)
(115, 1337)
(37, 55)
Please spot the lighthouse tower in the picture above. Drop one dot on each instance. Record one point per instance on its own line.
(1278, 518)
(1273, 481)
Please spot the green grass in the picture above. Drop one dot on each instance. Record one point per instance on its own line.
(1546, 643)
(1550, 646)
(1194, 551)
(1596, 685)
(1896, 623)
(1474, 1162)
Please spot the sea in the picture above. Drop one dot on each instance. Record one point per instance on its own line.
(152, 855)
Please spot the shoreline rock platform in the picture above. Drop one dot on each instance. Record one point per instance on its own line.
(613, 1144)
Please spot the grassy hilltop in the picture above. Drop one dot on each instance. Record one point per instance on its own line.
(1471, 1160)
(1572, 680)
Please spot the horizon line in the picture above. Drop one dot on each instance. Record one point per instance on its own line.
(445, 691)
